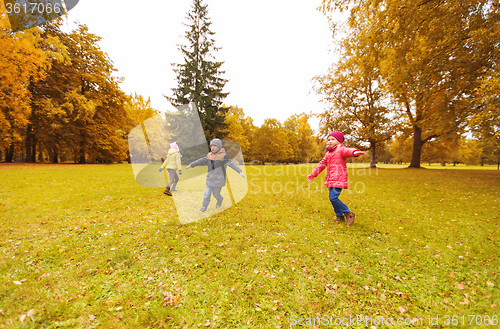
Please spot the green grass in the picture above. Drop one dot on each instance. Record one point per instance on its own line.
(92, 249)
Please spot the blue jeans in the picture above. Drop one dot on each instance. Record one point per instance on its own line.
(339, 207)
(208, 192)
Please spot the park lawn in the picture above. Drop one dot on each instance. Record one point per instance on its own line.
(85, 246)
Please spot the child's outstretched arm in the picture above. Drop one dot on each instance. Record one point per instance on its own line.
(199, 162)
(233, 166)
(178, 163)
(351, 152)
(316, 171)
(163, 165)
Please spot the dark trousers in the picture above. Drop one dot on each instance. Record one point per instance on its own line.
(208, 193)
(173, 178)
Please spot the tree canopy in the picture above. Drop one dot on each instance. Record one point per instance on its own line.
(432, 57)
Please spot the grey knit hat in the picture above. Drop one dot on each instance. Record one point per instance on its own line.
(217, 142)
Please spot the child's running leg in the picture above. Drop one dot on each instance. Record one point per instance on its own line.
(218, 196)
(206, 198)
(174, 183)
(338, 206)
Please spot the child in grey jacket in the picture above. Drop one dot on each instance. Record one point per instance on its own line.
(217, 161)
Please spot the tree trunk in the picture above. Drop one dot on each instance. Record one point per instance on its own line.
(82, 149)
(373, 151)
(55, 158)
(9, 153)
(81, 159)
(29, 140)
(417, 147)
(33, 150)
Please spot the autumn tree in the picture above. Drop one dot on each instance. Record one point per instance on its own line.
(271, 142)
(433, 55)
(235, 120)
(199, 78)
(401, 148)
(139, 109)
(78, 108)
(302, 145)
(357, 103)
(485, 122)
(23, 62)
(46, 115)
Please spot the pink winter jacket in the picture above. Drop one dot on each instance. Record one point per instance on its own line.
(335, 162)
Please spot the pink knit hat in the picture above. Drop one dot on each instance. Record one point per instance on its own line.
(174, 146)
(337, 135)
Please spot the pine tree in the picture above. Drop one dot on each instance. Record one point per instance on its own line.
(199, 77)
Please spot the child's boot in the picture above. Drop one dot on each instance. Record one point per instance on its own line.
(167, 191)
(203, 209)
(339, 218)
(349, 217)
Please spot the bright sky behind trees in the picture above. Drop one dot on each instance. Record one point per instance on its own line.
(271, 49)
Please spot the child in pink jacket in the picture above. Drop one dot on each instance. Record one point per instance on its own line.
(336, 174)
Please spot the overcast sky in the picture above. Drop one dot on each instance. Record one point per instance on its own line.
(271, 49)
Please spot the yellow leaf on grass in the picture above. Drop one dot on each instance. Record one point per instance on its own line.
(402, 309)
(31, 312)
(491, 284)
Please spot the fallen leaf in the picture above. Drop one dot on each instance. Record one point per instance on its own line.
(31, 312)
(91, 317)
(402, 309)
(491, 284)
(382, 296)
(17, 282)
(44, 275)
(460, 286)
(22, 317)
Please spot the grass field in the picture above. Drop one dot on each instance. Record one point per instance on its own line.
(84, 246)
